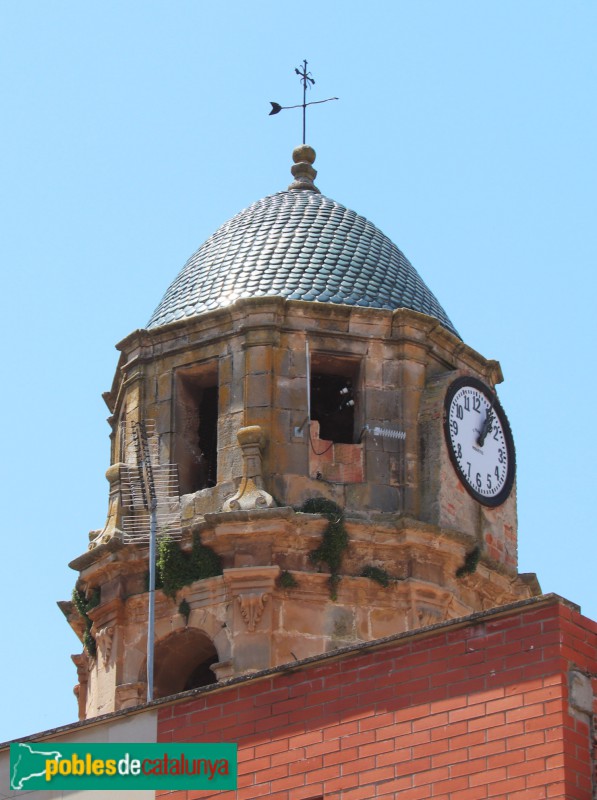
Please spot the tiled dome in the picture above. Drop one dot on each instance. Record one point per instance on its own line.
(302, 246)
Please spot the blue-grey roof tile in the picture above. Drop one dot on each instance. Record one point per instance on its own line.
(297, 245)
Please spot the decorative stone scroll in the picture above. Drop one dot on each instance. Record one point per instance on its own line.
(106, 618)
(251, 493)
(104, 639)
(251, 607)
(250, 588)
(81, 661)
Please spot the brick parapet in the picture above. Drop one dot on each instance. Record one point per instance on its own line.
(472, 710)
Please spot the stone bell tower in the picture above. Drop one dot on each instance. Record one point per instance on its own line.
(345, 469)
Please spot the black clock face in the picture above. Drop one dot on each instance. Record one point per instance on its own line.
(479, 441)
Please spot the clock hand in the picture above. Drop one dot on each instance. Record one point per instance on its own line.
(487, 427)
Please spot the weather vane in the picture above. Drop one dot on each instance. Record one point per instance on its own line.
(307, 80)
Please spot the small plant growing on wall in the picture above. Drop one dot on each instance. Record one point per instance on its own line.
(471, 561)
(176, 568)
(83, 606)
(334, 540)
(184, 609)
(287, 580)
(376, 574)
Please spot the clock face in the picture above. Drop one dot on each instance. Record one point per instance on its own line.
(479, 441)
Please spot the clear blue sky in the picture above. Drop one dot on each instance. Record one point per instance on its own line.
(130, 130)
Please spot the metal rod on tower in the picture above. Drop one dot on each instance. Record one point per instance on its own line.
(304, 78)
(152, 494)
(151, 610)
(147, 472)
(308, 362)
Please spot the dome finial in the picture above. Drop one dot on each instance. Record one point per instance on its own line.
(303, 171)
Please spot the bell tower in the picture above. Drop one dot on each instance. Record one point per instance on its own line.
(345, 469)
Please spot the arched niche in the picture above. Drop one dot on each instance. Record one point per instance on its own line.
(182, 661)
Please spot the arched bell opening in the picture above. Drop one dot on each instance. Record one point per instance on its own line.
(182, 661)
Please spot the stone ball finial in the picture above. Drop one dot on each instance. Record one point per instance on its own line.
(302, 169)
(304, 152)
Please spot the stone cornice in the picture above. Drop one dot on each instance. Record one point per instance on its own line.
(275, 313)
(511, 609)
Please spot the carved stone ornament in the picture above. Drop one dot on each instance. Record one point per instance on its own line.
(80, 690)
(429, 616)
(129, 695)
(251, 607)
(104, 639)
(251, 493)
(114, 520)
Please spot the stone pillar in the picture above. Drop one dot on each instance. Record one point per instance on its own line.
(129, 695)
(106, 630)
(411, 372)
(251, 493)
(250, 589)
(81, 662)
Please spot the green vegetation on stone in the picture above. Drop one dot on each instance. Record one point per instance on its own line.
(287, 580)
(376, 574)
(470, 563)
(184, 609)
(83, 606)
(176, 568)
(334, 541)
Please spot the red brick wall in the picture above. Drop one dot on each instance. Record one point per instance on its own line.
(469, 711)
(338, 463)
(594, 684)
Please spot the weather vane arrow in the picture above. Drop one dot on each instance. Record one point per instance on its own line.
(307, 80)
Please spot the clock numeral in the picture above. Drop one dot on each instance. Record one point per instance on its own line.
(501, 455)
(454, 427)
(488, 481)
(477, 403)
(478, 480)
(495, 434)
(459, 411)
(497, 473)
(468, 468)
(459, 451)
(467, 403)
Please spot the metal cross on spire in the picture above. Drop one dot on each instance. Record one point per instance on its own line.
(307, 80)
